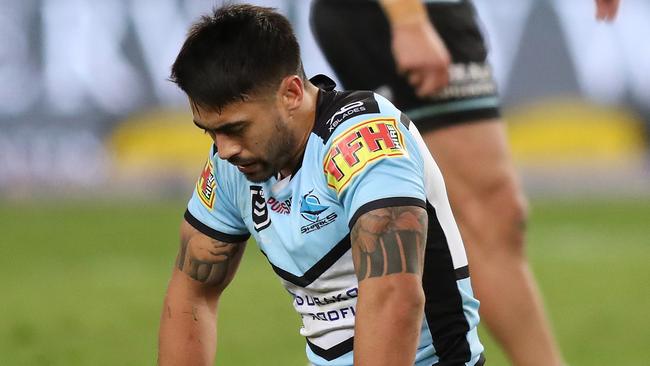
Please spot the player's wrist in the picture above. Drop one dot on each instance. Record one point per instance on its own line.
(402, 13)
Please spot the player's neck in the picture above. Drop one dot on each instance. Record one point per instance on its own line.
(305, 119)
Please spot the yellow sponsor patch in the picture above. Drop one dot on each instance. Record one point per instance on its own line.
(205, 186)
(360, 145)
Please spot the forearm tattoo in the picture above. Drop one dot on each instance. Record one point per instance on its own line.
(205, 259)
(389, 240)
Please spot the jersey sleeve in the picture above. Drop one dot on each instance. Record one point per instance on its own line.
(372, 162)
(211, 210)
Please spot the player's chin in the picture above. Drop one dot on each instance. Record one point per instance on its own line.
(259, 175)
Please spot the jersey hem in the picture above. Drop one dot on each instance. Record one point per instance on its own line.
(383, 203)
(214, 234)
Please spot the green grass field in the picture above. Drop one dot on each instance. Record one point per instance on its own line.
(82, 284)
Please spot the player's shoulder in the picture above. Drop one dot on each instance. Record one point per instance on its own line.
(337, 111)
(359, 130)
(215, 172)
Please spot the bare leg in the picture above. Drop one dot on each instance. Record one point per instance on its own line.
(490, 209)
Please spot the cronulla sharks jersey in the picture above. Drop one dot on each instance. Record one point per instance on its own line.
(362, 154)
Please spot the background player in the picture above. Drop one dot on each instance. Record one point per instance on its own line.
(438, 75)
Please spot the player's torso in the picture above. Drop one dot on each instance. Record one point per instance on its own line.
(302, 229)
(301, 223)
(295, 221)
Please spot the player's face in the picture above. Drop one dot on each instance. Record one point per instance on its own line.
(251, 135)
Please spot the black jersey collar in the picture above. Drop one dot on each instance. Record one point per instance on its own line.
(323, 82)
(326, 95)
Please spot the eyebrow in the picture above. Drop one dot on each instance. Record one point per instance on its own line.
(223, 128)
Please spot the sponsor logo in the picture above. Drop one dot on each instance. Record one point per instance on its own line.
(350, 110)
(281, 207)
(343, 308)
(260, 214)
(306, 299)
(311, 210)
(360, 145)
(206, 185)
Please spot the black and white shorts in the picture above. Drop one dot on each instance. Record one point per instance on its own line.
(355, 37)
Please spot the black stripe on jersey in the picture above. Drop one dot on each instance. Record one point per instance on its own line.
(214, 234)
(317, 269)
(405, 120)
(479, 362)
(462, 273)
(385, 202)
(334, 352)
(443, 308)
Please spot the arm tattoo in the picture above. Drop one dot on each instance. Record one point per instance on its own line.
(389, 240)
(205, 259)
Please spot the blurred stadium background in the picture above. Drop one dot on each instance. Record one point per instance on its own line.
(98, 155)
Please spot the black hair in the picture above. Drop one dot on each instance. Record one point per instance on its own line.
(237, 51)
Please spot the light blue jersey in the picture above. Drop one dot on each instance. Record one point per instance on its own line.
(363, 154)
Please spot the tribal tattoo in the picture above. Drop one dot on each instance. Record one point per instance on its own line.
(389, 240)
(207, 260)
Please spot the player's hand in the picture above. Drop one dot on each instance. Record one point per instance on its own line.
(421, 56)
(606, 9)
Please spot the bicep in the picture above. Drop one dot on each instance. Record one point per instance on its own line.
(389, 240)
(208, 262)
(204, 267)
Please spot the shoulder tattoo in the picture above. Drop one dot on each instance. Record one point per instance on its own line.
(206, 260)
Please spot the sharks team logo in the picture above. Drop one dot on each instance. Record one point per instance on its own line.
(310, 207)
(311, 210)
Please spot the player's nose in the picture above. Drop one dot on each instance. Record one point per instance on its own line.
(227, 148)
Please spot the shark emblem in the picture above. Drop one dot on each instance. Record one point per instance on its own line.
(310, 207)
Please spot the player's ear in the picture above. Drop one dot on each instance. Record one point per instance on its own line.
(291, 92)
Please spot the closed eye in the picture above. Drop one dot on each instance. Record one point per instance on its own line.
(231, 129)
(237, 129)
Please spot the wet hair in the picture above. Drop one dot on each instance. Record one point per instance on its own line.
(237, 51)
